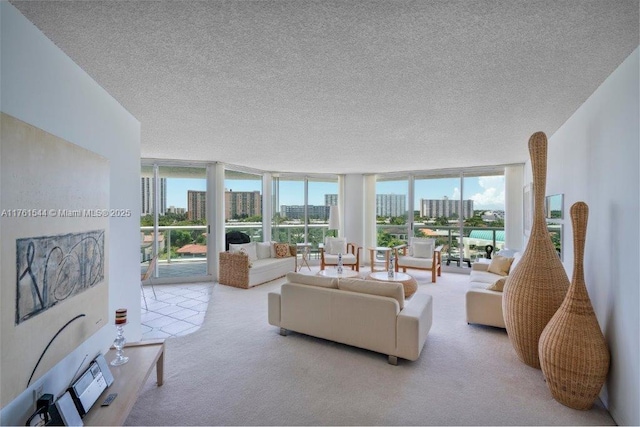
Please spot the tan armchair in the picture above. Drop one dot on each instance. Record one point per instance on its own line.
(422, 254)
(329, 253)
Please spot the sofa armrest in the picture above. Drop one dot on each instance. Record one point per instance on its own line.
(479, 266)
(274, 308)
(413, 325)
(234, 269)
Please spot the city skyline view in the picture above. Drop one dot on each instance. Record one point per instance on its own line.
(487, 192)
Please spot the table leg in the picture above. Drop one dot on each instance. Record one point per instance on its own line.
(160, 368)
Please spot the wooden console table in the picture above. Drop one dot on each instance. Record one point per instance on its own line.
(128, 380)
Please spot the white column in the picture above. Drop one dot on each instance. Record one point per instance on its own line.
(267, 206)
(353, 212)
(215, 217)
(513, 221)
(370, 229)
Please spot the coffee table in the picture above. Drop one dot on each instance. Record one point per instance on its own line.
(409, 284)
(332, 272)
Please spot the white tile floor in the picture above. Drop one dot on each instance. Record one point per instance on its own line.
(175, 310)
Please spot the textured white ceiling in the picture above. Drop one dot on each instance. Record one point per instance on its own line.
(344, 86)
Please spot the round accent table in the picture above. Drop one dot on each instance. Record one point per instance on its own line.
(409, 283)
(332, 272)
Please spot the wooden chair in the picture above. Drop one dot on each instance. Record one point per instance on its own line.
(147, 276)
(350, 258)
(434, 263)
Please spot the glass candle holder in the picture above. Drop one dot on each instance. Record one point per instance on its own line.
(119, 343)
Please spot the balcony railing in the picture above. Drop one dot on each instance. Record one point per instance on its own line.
(474, 239)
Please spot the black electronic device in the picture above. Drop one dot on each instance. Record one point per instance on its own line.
(86, 389)
(109, 399)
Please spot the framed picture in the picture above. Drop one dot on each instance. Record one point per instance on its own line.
(527, 208)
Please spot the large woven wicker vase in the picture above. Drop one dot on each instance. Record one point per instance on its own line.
(537, 285)
(573, 352)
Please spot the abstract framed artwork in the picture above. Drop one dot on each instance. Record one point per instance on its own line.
(55, 263)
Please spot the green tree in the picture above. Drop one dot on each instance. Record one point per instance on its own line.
(398, 220)
(441, 220)
(179, 238)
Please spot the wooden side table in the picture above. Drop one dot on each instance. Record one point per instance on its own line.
(304, 250)
(373, 254)
(128, 380)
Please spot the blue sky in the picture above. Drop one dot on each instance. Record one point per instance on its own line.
(487, 192)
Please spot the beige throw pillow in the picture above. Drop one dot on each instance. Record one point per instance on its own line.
(498, 285)
(500, 265)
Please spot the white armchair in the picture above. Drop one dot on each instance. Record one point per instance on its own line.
(420, 254)
(336, 245)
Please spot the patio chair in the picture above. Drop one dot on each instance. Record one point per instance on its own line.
(334, 246)
(420, 254)
(147, 276)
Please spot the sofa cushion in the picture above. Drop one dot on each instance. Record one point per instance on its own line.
(498, 285)
(336, 245)
(347, 259)
(306, 279)
(393, 290)
(409, 261)
(500, 265)
(483, 277)
(263, 250)
(419, 241)
(282, 250)
(516, 258)
(248, 248)
(423, 249)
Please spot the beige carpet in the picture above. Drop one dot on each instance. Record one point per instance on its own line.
(237, 370)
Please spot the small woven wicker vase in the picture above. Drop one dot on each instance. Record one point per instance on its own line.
(537, 285)
(573, 353)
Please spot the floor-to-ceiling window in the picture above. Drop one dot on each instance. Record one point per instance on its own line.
(243, 203)
(436, 209)
(483, 199)
(392, 210)
(173, 221)
(462, 209)
(301, 208)
(322, 193)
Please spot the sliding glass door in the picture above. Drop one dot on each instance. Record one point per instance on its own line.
(173, 223)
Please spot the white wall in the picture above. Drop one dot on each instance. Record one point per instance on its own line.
(43, 87)
(594, 157)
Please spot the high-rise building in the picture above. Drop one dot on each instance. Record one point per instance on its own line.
(331, 199)
(242, 204)
(196, 205)
(436, 208)
(297, 212)
(147, 195)
(174, 210)
(390, 205)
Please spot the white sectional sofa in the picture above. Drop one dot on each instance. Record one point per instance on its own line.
(248, 268)
(367, 314)
(484, 306)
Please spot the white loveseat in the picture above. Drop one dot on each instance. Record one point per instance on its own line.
(251, 264)
(367, 314)
(484, 306)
